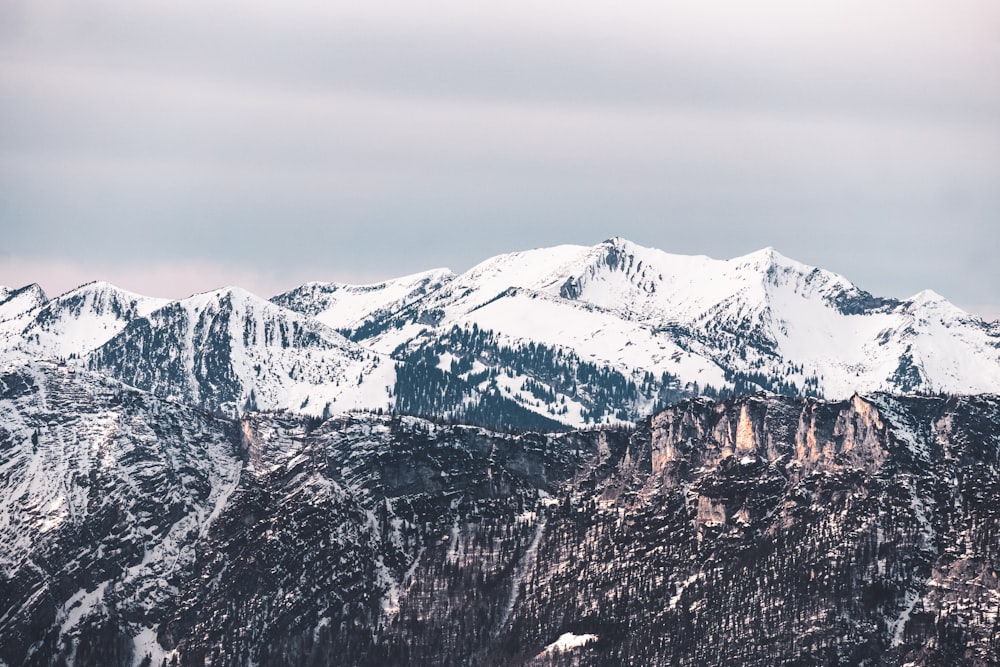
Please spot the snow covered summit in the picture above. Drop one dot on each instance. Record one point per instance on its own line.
(542, 338)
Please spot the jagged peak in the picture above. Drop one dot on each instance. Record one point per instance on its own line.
(625, 246)
(97, 296)
(8, 293)
(618, 242)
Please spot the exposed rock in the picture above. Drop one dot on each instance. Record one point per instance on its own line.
(756, 531)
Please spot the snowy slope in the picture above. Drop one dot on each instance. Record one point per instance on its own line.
(845, 339)
(343, 306)
(14, 303)
(73, 323)
(757, 321)
(231, 350)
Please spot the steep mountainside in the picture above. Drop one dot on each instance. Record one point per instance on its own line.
(761, 530)
(16, 302)
(72, 324)
(229, 350)
(106, 492)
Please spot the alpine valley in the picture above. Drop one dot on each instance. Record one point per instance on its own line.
(603, 455)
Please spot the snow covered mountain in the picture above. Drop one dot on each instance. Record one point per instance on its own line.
(232, 351)
(103, 490)
(70, 325)
(227, 480)
(343, 306)
(542, 339)
(605, 333)
(16, 302)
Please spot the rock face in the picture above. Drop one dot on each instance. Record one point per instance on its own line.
(810, 433)
(106, 492)
(757, 531)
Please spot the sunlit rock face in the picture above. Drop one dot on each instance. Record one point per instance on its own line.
(813, 434)
(755, 531)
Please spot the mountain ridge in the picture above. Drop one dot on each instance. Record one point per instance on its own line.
(575, 334)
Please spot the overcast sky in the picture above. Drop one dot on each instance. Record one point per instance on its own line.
(178, 146)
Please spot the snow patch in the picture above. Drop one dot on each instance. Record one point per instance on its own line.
(145, 645)
(569, 641)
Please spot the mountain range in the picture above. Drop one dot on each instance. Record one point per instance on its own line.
(548, 339)
(603, 455)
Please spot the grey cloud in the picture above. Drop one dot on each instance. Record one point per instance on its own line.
(856, 137)
(889, 58)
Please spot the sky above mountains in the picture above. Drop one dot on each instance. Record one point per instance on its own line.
(172, 147)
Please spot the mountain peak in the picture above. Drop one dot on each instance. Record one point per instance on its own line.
(75, 322)
(930, 302)
(230, 292)
(16, 304)
(622, 246)
(31, 292)
(342, 305)
(101, 291)
(99, 286)
(618, 241)
(926, 296)
(768, 257)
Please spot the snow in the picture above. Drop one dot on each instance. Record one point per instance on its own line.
(595, 335)
(898, 626)
(640, 309)
(569, 641)
(526, 562)
(533, 269)
(97, 435)
(145, 644)
(341, 305)
(619, 316)
(286, 359)
(76, 322)
(15, 303)
(81, 604)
